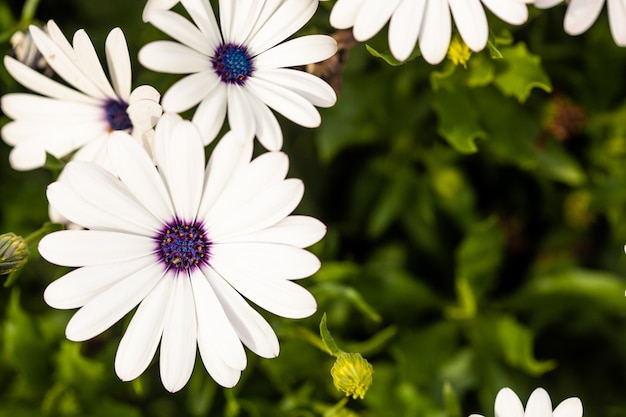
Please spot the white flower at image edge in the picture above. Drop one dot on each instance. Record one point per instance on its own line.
(428, 21)
(539, 404)
(186, 244)
(581, 14)
(241, 68)
(62, 120)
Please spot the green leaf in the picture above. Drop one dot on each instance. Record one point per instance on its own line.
(554, 162)
(459, 121)
(520, 72)
(389, 58)
(328, 339)
(451, 401)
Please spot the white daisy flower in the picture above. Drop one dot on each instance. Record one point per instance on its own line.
(508, 404)
(581, 14)
(62, 120)
(186, 244)
(428, 20)
(241, 66)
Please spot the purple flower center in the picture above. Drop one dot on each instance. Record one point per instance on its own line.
(183, 246)
(115, 112)
(232, 63)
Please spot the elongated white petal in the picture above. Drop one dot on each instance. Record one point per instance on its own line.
(545, 4)
(78, 287)
(617, 21)
(118, 60)
(172, 58)
(372, 17)
(435, 34)
(112, 304)
(345, 12)
(512, 12)
(299, 51)
(291, 105)
(508, 404)
(141, 339)
(240, 116)
(298, 231)
(181, 30)
(211, 113)
(92, 247)
(202, 14)
(189, 91)
(404, 28)
(471, 21)
(88, 58)
(178, 346)
(251, 327)
(240, 16)
(268, 129)
(216, 335)
(571, 407)
(539, 404)
(581, 14)
(312, 88)
(265, 261)
(48, 110)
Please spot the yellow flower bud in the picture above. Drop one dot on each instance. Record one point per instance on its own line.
(352, 374)
(13, 253)
(458, 52)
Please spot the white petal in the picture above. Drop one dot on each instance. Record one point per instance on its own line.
(265, 261)
(216, 335)
(404, 28)
(91, 247)
(299, 51)
(180, 158)
(112, 304)
(210, 114)
(344, 13)
(189, 91)
(545, 4)
(281, 297)
(181, 30)
(118, 60)
(298, 231)
(617, 21)
(202, 14)
(508, 404)
(372, 17)
(512, 12)
(47, 110)
(581, 14)
(471, 22)
(178, 346)
(78, 287)
(238, 18)
(41, 84)
(172, 58)
(291, 105)
(141, 339)
(240, 116)
(312, 88)
(571, 407)
(86, 54)
(288, 18)
(435, 34)
(268, 129)
(251, 327)
(144, 92)
(154, 5)
(539, 404)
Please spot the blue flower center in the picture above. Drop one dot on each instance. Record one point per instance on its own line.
(116, 115)
(232, 63)
(183, 246)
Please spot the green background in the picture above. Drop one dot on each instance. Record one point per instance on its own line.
(476, 224)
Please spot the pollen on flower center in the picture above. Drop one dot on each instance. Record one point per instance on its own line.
(232, 63)
(183, 245)
(116, 115)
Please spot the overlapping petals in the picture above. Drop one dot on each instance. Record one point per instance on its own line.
(256, 252)
(508, 404)
(262, 29)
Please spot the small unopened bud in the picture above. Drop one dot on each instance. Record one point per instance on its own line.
(458, 52)
(352, 374)
(13, 253)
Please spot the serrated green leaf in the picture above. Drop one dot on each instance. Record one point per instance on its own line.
(458, 121)
(389, 58)
(520, 72)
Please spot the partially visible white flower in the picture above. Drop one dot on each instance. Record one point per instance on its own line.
(63, 120)
(581, 14)
(153, 5)
(186, 243)
(242, 67)
(428, 21)
(539, 404)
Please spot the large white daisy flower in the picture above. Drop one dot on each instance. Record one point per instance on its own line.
(62, 120)
(240, 67)
(581, 14)
(185, 243)
(428, 20)
(508, 404)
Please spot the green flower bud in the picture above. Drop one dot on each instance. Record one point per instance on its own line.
(352, 374)
(13, 253)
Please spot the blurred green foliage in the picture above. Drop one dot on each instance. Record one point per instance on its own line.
(476, 220)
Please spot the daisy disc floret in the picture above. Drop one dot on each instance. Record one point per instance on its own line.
(428, 21)
(61, 120)
(581, 14)
(185, 243)
(539, 404)
(241, 68)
